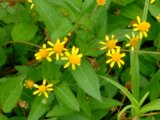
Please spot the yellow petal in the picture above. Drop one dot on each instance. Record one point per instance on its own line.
(103, 43)
(123, 54)
(35, 92)
(122, 62)
(44, 81)
(57, 56)
(107, 37)
(128, 44)
(67, 64)
(108, 61)
(73, 67)
(112, 64)
(138, 19)
(119, 64)
(50, 43)
(44, 45)
(36, 86)
(128, 36)
(49, 59)
(45, 94)
(49, 85)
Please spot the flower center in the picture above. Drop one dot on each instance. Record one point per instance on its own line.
(74, 59)
(42, 88)
(29, 83)
(58, 47)
(116, 57)
(144, 26)
(133, 41)
(110, 44)
(101, 2)
(44, 53)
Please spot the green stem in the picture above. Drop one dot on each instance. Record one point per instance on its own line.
(134, 62)
(23, 42)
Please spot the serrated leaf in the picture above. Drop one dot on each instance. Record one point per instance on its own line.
(65, 95)
(10, 93)
(87, 79)
(24, 32)
(39, 107)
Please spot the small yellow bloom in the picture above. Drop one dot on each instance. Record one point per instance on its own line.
(115, 58)
(73, 58)
(101, 2)
(32, 5)
(58, 48)
(29, 84)
(158, 17)
(43, 88)
(133, 41)
(152, 1)
(43, 53)
(110, 43)
(143, 27)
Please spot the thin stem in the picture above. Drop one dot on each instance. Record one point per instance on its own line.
(23, 42)
(134, 61)
(141, 51)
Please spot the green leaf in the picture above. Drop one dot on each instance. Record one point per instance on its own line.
(123, 2)
(65, 95)
(3, 57)
(59, 110)
(105, 104)
(10, 93)
(136, 11)
(2, 117)
(123, 89)
(152, 106)
(74, 116)
(18, 118)
(49, 15)
(24, 32)
(39, 107)
(87, 79)
(154, 10)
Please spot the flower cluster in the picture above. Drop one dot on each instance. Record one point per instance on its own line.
(101, 2)
(40, 88)
(113, 50)
(58, 50)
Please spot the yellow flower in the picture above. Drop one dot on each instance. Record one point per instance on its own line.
(142, 27)
(43, 53)
(101, 2)
(32, 5)
(29, 84)
(115, 58)
(73, 58)
(133, 41)
(110, 44)
(152, 1)
(158, 17)
(58, 48)
(43, 88)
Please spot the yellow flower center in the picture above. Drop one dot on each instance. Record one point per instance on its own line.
(111, 44)
(116, 57)
(44, 53)
(101, 2)
(144, 26)
(42, 88)
(133, 41)
(29, 84)
(58, 47)
(74, 59)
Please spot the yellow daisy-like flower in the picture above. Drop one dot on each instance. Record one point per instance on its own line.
(143, 27)
(73, 58)
(115, 58)
(58, 48)
(152, 1)
(110, 43)
(101, 2)
(43, 53)
(158, 17)
(32, 5)
(29, 84)
(43, 88)
(133, 41)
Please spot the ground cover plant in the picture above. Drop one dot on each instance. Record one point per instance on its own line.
(79, 59)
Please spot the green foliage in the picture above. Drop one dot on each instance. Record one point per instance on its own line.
(33, 33)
